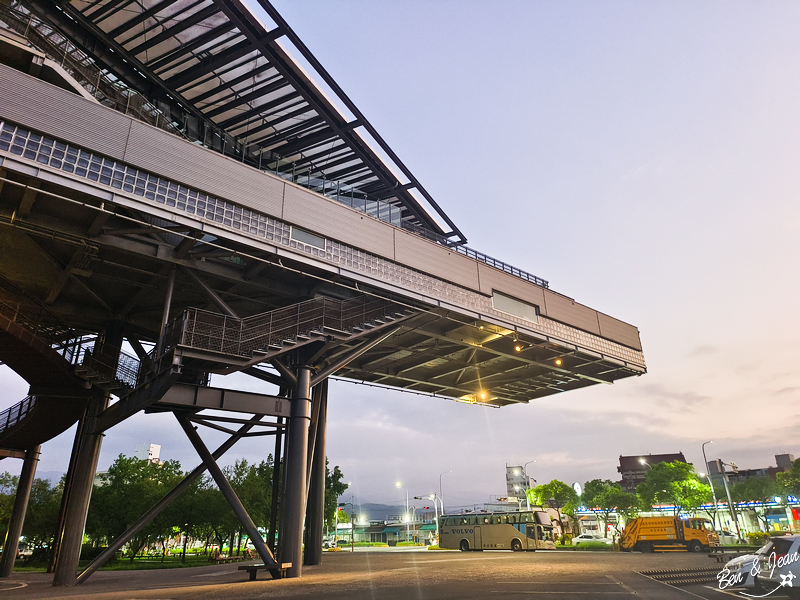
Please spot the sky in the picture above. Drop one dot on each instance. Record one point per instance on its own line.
(642, 157)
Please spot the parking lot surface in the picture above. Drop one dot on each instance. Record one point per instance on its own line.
(391, 574)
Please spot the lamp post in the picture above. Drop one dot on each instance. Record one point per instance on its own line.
(528, 486)
(435, 510)
(731, 507)
(710, 481)
(441, 496)
(398, 486)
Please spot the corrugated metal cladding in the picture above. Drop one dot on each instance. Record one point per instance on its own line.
(47, 108)
(621, 332)
(429, 257)
(568, 311)
(337, 222)
(44, 107)
(171, 157)
(492, 279)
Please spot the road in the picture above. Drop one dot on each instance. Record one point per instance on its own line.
(402, 574)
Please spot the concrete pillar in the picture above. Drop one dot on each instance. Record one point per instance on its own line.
(294, 506)
(88, 451)
(11, 544)
(315, 519)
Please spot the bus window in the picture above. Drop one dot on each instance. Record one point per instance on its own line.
(464, 520)
(512, 519)
(485, 520)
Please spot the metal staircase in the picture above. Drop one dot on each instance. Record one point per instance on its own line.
(196, 342)
(235, 344)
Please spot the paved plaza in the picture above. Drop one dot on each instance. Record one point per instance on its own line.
(395, 574)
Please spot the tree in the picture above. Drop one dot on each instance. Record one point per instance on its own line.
(41, 517)
(789, 481)
(334, 488)
(756, 489)
(129, 489)
(558, 495)
(673, 483)
(605, 496)
(8, 491)
(253, 487)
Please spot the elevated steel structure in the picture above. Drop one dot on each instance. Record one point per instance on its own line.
(136, 207)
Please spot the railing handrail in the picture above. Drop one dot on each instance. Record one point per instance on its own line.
(212, 331)
(20, 408)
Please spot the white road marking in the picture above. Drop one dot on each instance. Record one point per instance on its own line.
(18, 585)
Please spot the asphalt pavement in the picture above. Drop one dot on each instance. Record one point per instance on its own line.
(402, 574)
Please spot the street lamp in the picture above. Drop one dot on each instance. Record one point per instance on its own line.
(731, 507)
(710, 481)
(528, 486)
(435, 510)
(441, 496)
(398, 486)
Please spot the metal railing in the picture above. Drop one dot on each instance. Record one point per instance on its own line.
(15, 414)
(204, 330)
(77, 349)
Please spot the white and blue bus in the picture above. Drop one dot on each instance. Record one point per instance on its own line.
(517, 531)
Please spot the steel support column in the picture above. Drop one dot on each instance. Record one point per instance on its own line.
(62, 511)
(294, 508)
(227, 491)
(159, 506)
(315, 519)
(11, 544)
(88, 451)
(276, 487)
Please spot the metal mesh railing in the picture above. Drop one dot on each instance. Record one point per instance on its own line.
(15, 414)
(76, 348)
(242, 337)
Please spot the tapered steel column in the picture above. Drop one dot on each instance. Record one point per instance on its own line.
(70, 477)
(276, 488)
(66, 571)
(294, 508)
(315, 520)
(11, 544)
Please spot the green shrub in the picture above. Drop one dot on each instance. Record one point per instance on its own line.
(758, 538)
(565, 540)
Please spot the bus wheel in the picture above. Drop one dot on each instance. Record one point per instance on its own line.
(516, 545)
(695, 546)
(645, 547)
(464, 545)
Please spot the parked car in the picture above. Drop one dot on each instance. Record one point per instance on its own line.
(779, 567)
(726, 538)
(773, 568)
(590, 537)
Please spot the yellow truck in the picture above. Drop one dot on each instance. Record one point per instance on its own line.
(650, 534)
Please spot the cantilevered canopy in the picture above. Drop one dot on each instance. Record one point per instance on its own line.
(225, 77)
